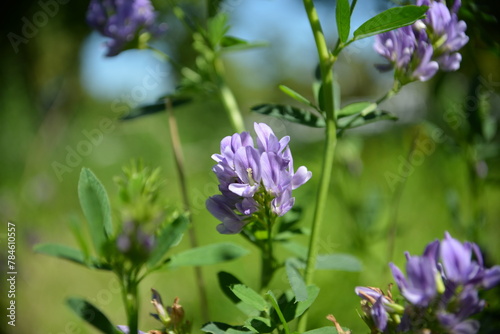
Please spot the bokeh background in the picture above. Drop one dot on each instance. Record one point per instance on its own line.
(57, 88)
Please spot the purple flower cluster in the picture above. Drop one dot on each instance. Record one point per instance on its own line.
(121, 20)
(418, 51)
(440, 287)
(253, 180)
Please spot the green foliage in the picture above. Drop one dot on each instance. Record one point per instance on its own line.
(390, 19)
(289, 113)
(160, 106)
(343, 262)
(70, 254)
(206, 255)
(92, 315)
(296, 96)
(327, 330)
(168, 236)
(362, 108)
(343, 16)
(95, 205)
(295, 279)
(250, 297)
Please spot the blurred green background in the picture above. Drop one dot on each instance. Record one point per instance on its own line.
(57, 88)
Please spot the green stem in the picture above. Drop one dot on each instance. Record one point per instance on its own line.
(130, 299)
(394, 90)
(179, 161)
(268, 262)
(227, 97)
(326, 64)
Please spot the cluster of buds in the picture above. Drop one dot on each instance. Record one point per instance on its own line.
(440, 291)
(254, 182)
(418, 51)
(122, 20)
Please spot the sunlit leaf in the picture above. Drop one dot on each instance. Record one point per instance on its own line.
(343, 16)
(390, 19)
(296, 96)
(357, 107)
(249, 297)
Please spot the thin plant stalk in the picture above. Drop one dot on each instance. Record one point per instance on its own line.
(179, 162)
(326, 65)
(227, 97)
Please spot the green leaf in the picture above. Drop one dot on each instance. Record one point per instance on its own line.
(250, 297)
(297, 249)
(222, 328)
(343, 16)
(296, 96)
(217, 28)
(92, 315)
(326, 330)
(259, 325)
(95, 205)
(168, 237)
(210, 254)
(76, 226)
(226, 280)
(343, 262)
(296, 281)
(289, 113)
(231, 43)
(390, 19)
(157, 107)
(293, 309)
(277, 308)
(358, 107)
(375, 116)
(70, 254)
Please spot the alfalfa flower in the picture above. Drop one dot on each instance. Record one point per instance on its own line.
(418, 51)
(254, 180)
(122, 21)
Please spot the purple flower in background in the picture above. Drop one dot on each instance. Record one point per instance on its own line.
(122, 20)
(440, 287)
(446, 32)
(253, 180)
(411, 56)
(418, 51)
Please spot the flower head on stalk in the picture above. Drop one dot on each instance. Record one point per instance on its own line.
(440, 289)
(419, 50)
(254, 181)
(122, 20)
